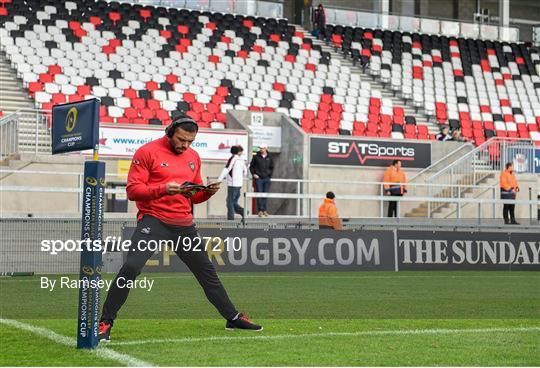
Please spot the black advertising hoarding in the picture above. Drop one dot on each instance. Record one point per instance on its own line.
(448, 250)
(378, 153)
(329, 250)
(287, 250)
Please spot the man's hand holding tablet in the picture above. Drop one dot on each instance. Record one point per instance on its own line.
(188, 189)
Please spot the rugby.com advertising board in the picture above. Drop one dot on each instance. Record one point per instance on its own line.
(378, 153)
(118, 141)
(291, 250)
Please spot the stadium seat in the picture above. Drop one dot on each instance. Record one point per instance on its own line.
(453, 79)
(145, 63)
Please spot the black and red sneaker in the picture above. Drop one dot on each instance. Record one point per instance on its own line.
(242, 322)
(105, 331)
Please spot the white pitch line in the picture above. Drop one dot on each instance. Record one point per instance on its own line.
(101, 352)
(329, 334)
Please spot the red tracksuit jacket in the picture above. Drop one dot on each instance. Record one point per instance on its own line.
(156, 164)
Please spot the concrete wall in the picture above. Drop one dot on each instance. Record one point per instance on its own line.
(288, 9)
(403, 7)
(439, 9)
(31, 202)
(47, 202)
(289, 162)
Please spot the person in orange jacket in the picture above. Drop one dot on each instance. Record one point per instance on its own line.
(394, 185)
(509, 189)
(328, 213)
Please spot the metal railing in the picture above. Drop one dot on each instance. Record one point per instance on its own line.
(9, 136)
(417, 192)
(478, 166)
(26, 131)
(443, 161)
(480, 203)
(429, 25)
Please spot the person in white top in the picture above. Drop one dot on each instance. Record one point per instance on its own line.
(235, 170)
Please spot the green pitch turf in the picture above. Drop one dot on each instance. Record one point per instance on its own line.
(335, 319)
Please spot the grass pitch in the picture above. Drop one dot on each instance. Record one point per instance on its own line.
(335, 319)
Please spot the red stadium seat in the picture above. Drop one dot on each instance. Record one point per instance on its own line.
(147, 114)
(162, 114)
(307, 123)
(140, 121)
(123, 120)
(222, 91)
(130, 93)
(153, 104)
(189, 97)
(131, 113)
(35, 87)
(197, 107)
(58, 98)
(422, 130)
(309, 114)
(75, 98)
(221, 117)
(212, 108)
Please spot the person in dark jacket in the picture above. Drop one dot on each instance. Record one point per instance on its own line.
(262, 167)
(443, 135)
(319, 21)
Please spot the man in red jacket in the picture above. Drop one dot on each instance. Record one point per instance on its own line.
(157, 172)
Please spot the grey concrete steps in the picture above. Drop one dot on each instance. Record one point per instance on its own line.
(11, 107)
(14, 97)
(7, 83)
(9, 88)
(447, 209)
(12, 94)
(28, 130)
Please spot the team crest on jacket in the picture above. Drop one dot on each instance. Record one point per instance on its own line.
(164, 164)
(192, 166)
(136, 162)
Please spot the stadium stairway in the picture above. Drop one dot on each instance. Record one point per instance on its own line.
(12, 96)
(446, 210)
(421, 119)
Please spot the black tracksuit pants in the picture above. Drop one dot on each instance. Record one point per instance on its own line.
(508, 213)
(150, 228)
(392, 205)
